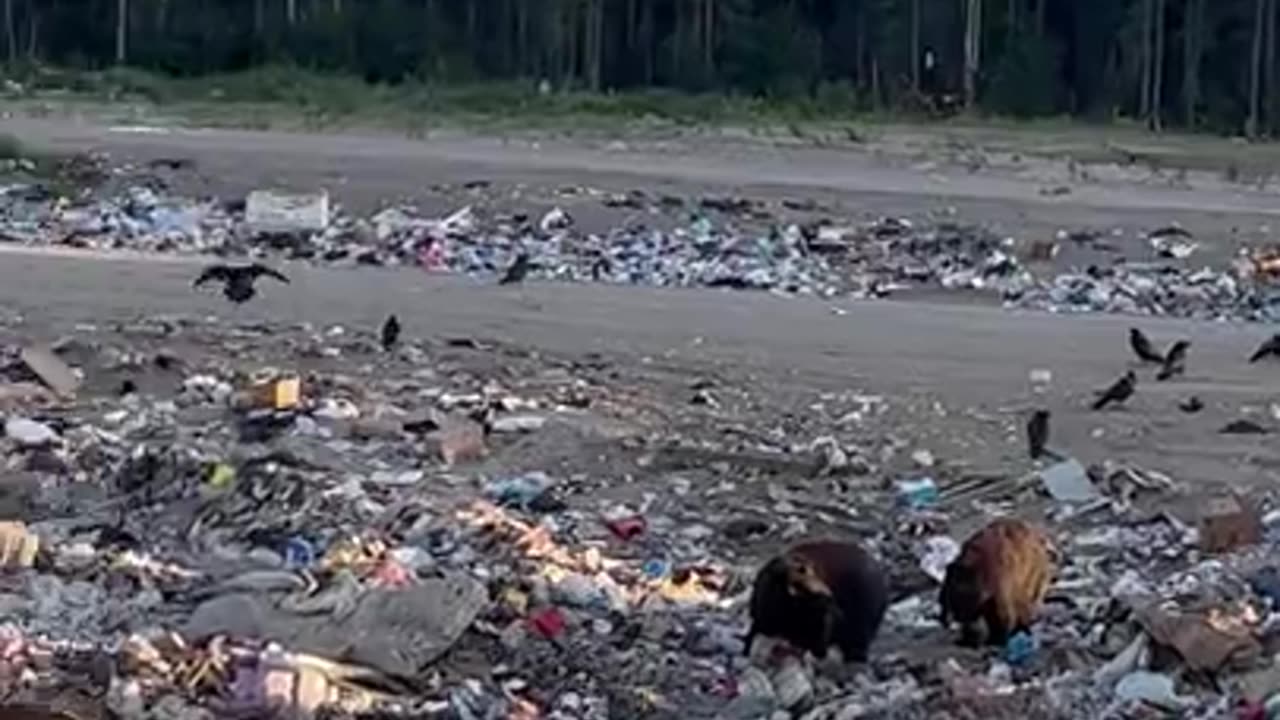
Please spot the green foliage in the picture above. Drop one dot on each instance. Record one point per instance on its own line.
(662, 59)
(1024, 83)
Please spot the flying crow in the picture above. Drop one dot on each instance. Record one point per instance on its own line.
(238, 280)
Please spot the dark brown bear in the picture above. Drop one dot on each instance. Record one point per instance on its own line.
(1000, 577)
(820, 594)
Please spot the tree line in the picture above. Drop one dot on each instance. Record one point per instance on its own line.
(1184, 63)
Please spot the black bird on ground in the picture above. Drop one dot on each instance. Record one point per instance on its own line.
(518, 270)
(1175, 363)
(1038, 433)
(1270, 348)
(1192, 404)
(390, 332)
(1118, 393)
(238, 280)
(1143, 348)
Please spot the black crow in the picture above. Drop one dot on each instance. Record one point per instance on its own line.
(1143, 348)
(1269, 348)
(390, 332)
(1119, 391)
(518, 270)
(1175, 363)
(1038, 433)
(238, 280)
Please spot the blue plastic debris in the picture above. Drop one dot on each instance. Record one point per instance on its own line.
(1019, 648)
(299, 553)
(519, 491)
(919, 493)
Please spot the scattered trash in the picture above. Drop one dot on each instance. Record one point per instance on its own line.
(1172, 242)
(395, 631)
(939, 551)
(520, 491)
(274, 212)
(519, 423)
(18, 546)
(627, 528)
(919, 493)
(1019, 649)
(212, 543)
(1152, 688)
(1226, 524)
(1203, 643)
(29, 433)
(548, 623)
(51, 371)
(459, 440)
(281, 394)
(922, 458)
(1068, 481)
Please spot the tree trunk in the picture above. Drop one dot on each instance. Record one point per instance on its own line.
(677, 43)
(522, 38)
(10, 32)
(122, 31)
(709, 38)
(33, 34)
(594, 45)
(1011, 24)
(291, 11)
(915, 45)
(1148, 13)
(646, 38)
(1255, 70)
(572, 39)
(1269, 44)
(875, 82)
(1192, 49)
(1157, 68)
(860, 33)
(972, 50)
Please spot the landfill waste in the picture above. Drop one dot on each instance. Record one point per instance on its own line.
(724, 243)
(285, 519)
(1068, 481)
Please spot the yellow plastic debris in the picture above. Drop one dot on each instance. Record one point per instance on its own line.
(222, 476)
(281, 394)
(18, 546)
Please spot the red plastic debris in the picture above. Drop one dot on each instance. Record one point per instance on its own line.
(628, 528)
(548, 623)
(391, 574)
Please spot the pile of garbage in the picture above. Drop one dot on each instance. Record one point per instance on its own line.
(1154, 289)
(459, 529)
(711, 250)
(723, 242)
